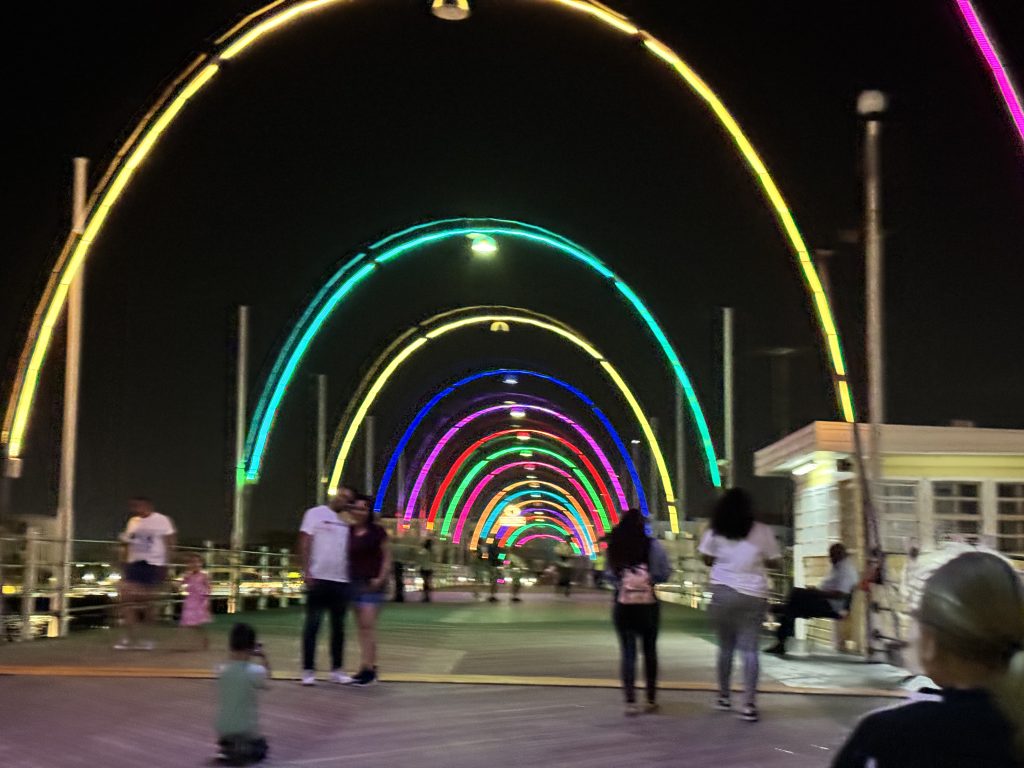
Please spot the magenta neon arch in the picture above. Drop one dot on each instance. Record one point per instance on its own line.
(586, 435)
(533, 537)
(502, 536)
(410, 507)
(529, 432)
(995, 66)
(479, 488)
(544, 493)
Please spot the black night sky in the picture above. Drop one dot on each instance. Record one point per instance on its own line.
(372, 116)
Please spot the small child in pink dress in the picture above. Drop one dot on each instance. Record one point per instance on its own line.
(195, 611)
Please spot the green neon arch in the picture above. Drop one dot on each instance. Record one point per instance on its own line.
(396, 354)
(204, 68)
(407, 242)
(488, 520)
(511, 540)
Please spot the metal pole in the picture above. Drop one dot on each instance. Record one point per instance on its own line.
(238, 522)
(29, 575)
(871, 105)
(69, 430)
(653, 500)
(401, 482)
(727, 396)
(321, 438)
(680, 425)
(368, 463)
(634, 453)
(238, 532)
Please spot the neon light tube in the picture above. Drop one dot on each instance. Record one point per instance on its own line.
(503, 373)
(995, 66)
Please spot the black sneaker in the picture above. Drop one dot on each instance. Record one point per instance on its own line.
(364, 678)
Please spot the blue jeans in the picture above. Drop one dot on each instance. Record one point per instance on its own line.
(737, 621)
(330, 596)
(632, 621)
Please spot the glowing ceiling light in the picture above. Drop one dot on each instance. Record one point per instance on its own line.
(517, 413)
(450, 10)
(510, 380)
(524, 436)
(804, 469)
(482, 245)
(526, 454)
(534, 495)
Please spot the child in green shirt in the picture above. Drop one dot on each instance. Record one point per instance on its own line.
(238, 732)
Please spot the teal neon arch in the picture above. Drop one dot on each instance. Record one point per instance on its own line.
(408, 241)
(492, 518)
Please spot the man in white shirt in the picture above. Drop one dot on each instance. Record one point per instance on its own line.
(831, 600)
(146, 542)
(323, 557)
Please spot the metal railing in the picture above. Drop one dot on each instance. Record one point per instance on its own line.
(31, 569)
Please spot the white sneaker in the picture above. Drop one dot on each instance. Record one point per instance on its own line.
(308, 677)
(338, 676)
(146, 645)
(124, 644)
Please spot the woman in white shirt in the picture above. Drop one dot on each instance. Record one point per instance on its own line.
(738, 549)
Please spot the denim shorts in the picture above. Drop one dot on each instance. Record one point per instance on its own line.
(364, 594)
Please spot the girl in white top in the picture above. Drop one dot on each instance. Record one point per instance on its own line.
(738, 549)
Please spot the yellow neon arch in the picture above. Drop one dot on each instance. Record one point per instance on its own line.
(478, 531)
(409, 342)
(207, 65)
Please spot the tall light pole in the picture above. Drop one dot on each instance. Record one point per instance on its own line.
(680, 435)
(871, 106)
(728, 397)
(321, 438)
(69, 429)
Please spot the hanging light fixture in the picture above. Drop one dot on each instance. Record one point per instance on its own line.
(450, 10)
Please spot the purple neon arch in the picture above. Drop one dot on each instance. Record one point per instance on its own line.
(410, 505)
(479, 487)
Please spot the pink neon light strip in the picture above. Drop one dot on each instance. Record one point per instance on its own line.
(995, 66)
(478, 489)
(548, 516)
(533, 536)
(410, 506)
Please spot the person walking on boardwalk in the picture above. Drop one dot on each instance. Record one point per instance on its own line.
(147, 542)
(425, 561)
(636, 562)
(564, 564)
(369, 564)
(738, 549)
(323, 557)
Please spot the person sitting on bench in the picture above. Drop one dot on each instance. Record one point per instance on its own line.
(831, 600)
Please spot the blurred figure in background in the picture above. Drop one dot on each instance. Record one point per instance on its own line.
(971, 643)
(564, 563)
(425, 561)
(195, 610)
(147, 542)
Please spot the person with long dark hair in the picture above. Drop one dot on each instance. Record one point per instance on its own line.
(971, 643)
(636, 562)
(369, 564)
(738, 549)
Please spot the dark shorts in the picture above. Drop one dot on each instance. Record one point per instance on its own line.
(364, 594)
(144, 574)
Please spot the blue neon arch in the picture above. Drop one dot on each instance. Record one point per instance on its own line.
(389, 471)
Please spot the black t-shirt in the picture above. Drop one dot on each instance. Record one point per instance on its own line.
(366, 553)
(963, 728)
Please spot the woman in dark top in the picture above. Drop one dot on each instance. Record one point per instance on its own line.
(636, 562)
(369, 563)
(971, 622)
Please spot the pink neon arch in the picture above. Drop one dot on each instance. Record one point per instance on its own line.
(587, 545)
(479, 487)
(995, 66)
(505, 533)
(421, 478)
(602, 456)
(533, 536)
